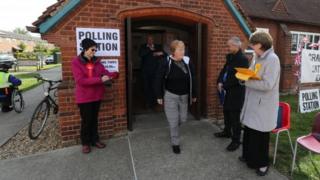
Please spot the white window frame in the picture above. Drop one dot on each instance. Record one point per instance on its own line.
(299, 33)
(250, 51)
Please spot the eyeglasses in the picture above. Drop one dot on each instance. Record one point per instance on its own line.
(94, 50)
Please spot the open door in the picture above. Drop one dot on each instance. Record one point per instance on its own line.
(196, 107)
(129, 73)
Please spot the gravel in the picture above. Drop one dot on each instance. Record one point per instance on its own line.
(21, 145)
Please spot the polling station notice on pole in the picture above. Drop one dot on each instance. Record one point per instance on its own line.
(310, 66)
(112, 65)
(309, 100)
(108, 40)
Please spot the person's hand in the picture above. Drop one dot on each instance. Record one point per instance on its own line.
(160, 101)
(220, 87)
(105, 78)
(194, 100)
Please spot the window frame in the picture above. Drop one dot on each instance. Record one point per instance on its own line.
(299, 33)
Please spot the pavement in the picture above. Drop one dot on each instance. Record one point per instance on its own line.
(144, 154)
(11, 123)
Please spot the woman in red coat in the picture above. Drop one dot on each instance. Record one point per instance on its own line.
(90, 78)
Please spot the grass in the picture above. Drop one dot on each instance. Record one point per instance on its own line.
(301, 124)
(28, 81)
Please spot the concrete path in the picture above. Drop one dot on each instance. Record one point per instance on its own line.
(12, 122)
(144, 154)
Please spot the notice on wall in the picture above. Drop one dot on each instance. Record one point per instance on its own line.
(310, 66)
(309, 100)
(112, 65)
(108, 40)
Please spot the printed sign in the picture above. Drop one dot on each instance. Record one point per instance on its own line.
(309, 100)
(108, 40)
(112, 65)
(310, 66)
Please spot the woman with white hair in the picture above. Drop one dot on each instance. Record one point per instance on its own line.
(234, 93)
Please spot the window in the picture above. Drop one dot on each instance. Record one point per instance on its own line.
(304, 40)
(249, 49)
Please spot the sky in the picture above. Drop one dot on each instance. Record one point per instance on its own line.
(21, 13)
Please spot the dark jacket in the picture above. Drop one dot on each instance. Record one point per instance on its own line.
(164, 71)
(149, 62)
(235, 92)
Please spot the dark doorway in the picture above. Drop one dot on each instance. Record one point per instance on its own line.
(163, 29)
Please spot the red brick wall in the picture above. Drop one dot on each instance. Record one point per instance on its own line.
(282, 44)
(111, 14)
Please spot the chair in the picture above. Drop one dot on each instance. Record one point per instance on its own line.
(283, 125)
(309, 142)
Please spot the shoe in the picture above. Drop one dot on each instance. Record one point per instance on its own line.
(176, 149)
(100, 145)
(86, 149)
(233, 146)
(262, 173)
(242, 159)
(6, 109)
(222, 134)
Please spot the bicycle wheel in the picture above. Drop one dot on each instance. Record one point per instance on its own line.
(17, 101)
(39, 119)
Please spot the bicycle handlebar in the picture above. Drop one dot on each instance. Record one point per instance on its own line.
(47, 80)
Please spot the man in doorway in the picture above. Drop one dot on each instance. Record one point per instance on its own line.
(151, 54)
(234, 93)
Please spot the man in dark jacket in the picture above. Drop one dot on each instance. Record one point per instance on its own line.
(234, 93)
(151, 55)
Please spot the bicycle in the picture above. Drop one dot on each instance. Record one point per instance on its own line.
(42, 111)
(16, 99)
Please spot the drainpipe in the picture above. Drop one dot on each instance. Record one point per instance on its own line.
(238, 16)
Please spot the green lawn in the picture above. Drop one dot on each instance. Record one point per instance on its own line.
(34, 68)
(300, 125)
(28, 80)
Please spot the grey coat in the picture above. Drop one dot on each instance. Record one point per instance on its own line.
(260, 109)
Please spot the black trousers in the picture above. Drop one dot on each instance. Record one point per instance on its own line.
(232, 124)
(89, 122)
(6, 102)
(255, 148)
(148, 88)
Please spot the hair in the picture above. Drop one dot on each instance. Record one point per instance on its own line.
(176, 44)
(236, 41)
(87, 43)
(263, 38)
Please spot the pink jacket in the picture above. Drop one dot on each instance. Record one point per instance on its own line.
(89, 86)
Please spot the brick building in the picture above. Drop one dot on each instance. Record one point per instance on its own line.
(204, 25)
(289, 22)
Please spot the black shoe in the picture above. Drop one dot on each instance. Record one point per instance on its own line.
(262, 173)
(233, 146)
(6, 109)
(242, 159)
(176, 149)
(222, 134)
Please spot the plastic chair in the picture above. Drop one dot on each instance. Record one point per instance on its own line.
(283, 125)
(309, 142)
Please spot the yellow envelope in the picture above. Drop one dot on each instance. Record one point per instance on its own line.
(246, 74)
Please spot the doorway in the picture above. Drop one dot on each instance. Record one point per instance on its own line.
(193, 34)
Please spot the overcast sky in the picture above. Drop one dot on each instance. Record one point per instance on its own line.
(21, 13)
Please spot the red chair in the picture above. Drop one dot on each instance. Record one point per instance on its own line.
(283, 125)
(309, 142)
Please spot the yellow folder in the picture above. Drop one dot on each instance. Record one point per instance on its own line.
(245, 74)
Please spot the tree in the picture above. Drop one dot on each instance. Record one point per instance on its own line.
(22, 46)
(21, 31)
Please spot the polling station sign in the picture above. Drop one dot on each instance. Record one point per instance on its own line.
(108, 40)
(112, 65)
(309, 100)
(310, 66)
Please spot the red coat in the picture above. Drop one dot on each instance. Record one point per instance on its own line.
(89, 86)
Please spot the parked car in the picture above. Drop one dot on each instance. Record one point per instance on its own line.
(8, 59)
(50, 60)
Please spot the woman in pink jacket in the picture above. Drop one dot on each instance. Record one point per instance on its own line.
(90, 78)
